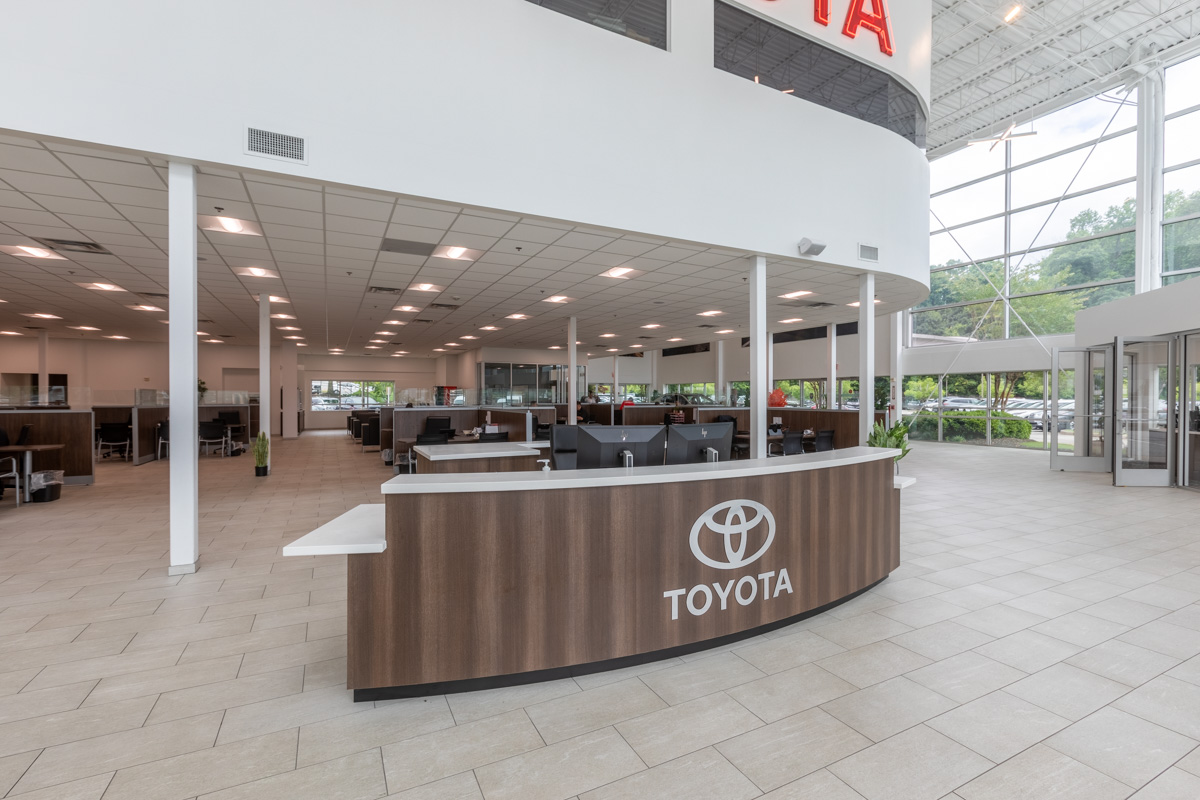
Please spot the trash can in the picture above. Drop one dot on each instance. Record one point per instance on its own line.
(46, 486)
(388, 455)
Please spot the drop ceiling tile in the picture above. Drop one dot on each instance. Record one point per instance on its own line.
(352, 206)
(33, 183)
(100, 226)
(422, 218)
(355, 240)
(412, 233)
(31, 159)
(273, 194)
(293, 232)
(130, 195)
(109, 170)
(313, 220)
(484, 226)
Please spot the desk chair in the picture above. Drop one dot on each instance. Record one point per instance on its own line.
(164, 438)
(543, 432)
(740, 449)
(23, 436)
(370, 434)
(500, 436)
(564, 440)
(793, 443)
(115, 437)
(10, 470)
(824, 441)
(212, 433)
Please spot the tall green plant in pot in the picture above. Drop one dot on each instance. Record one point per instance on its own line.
(262, 452)
(895, 437)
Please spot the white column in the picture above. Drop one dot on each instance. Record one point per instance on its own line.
(612, 407)
(654, 387)
(1149, 216)
(44, 368)
(866, 356)
(572, 370)
(831, 388)
(184, 411)
(266, 421)
(289, 381)
(770, 363)
(759, 344)
(896, 364)
(721, 390)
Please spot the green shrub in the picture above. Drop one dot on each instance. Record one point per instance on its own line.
(969, 425)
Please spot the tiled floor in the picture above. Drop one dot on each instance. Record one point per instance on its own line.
(1041, 640)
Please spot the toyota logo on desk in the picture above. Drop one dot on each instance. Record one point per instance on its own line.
(730, 528)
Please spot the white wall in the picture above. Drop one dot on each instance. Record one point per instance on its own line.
(497, 104)
(1011, 355)
(1170, 309)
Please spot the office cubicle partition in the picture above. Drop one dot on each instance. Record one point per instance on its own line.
(75, 430)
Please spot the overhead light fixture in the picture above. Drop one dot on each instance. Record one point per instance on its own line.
(372, 347)
(82, 328)
(1013, 13)
(293, 337)
(652, 326)
(455, 252)
(335, 352)
(393, 322)
(400, 353)
(789, 91)
(489, 328)
(676, 339)
(558, 298)
(426, 287)
(274, 299)
(556, 347)
(724, 332)
(282, 316)
(126, 337)
(230, 224)
(35, 252)
(793, 295)
(612, 350)
(406, 309)
(41, 316)
(286, 328)
(11, 333)
(257, 272)
(102, 287)
(378, 341)
(517, 316)
(468, 337)
(165, 321)
(145, 308)
(607, 335)
(301, 344)
(636, 345)
(709, 313)
(439, 349)
(790, 321)
(856, 303)
(384, 333)
(203, 333)
(453, 344)
(617, 272)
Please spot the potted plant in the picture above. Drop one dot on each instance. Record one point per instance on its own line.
(202, 388)
(262, 451)
(895, 437)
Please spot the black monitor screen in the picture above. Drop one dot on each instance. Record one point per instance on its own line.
(689, 444)
(602, 446)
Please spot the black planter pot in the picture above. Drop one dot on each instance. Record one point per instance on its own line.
(260, 472)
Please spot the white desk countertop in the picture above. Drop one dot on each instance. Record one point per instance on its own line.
(359, 530)
(572, 479)
(458, 452)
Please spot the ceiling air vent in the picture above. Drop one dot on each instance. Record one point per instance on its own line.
(816, 305)
(422, 320)
(156, 295)
(706, 326)
(444, 306)
(407, 248)
(383, 290)
(868, 253)
(68, 246)
(275, 145)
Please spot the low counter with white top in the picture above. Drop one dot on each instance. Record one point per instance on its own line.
(477, 457)
(501, 578)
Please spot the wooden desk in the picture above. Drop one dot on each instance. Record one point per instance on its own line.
(27, 461)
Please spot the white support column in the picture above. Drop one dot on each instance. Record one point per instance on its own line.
(44, 368)
(866, 356)
(290, 385)
(770, 363)
(654, 387)
(831, 387)
(759, 344)
(612, 407)
(896, 364)
(573, 370)
(1149, 216)
(721, 389)
(182, 349)
(265, 417)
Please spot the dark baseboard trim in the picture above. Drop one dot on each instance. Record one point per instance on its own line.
(558, 673)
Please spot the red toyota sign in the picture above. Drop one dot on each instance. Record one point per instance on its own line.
(858, 17)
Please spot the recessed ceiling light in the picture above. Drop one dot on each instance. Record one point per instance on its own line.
(41, 316)
(301, 344)
(636, 345)
(232, 225)
(123, 337)
(274, 299)
(286, 328)
(856, 303)
(652, 326)
(468, 337)
(293, 337)
(257, 272)
(145, 308)
(453, 344)
(165, 321)
(558, 298)
(384, 333)
(794, 295)
(439, 349)
(708, 313)
(489, 328)
(372, 347)
(36, 252)
(11, 333)
(203, 333)
(1013, 13)
(102, 287)
(335, 352)
(408, 309)
(579, 343)
(724, 331)
(616, 272)
(426, 287)
(676, 339)
(397, 355)
(455, 252)
(517, 316)
(607, 335)
(378, 341)
(556, 347)
(790, 321)
(400, 353)
(82, 328)
(612, 350)
(282, 316)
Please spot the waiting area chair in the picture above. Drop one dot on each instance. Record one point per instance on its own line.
(499, 436)
(824, 441)
(370, 433)
(114, 437)
(213, 434)
(9, 468)
(792, 444)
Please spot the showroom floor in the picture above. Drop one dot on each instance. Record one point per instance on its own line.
(1040, 641)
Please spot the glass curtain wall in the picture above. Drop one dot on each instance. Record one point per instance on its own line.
(1003, 409)
(522, 384)
(335, 395)
(1044, 222)
(1181, 177)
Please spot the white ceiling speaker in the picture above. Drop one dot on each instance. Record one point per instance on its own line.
(811, 247)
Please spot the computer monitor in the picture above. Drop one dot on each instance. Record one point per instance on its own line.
(602, 446)
(696, 444)
(438, 424)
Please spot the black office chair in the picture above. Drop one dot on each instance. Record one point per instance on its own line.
(23, 436)
(438, 424)
(793, 443)
(543, 432)
(3, 438)
(370, 433)
(213, 433)
(726, 418)
(114, 437)
(431, 438)
(499, 436)
(824, 441)
(563, 442)
(164, 437)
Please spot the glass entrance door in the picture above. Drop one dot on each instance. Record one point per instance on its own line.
(1189, 420)
(1078, 415)
(1147, 397)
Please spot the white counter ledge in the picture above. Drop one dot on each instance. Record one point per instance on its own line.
(582, 478)
(359, 530)
(457, 452)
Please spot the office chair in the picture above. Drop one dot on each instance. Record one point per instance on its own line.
(499, 436)
(3, 438)
(13, 471)
(115, 437)
(431, 438)
(164, 437)
(726, 418)
(436, 424)
(793, 443)
(563, 442)
(543, 432)
(370, 434)
(23, 436)
(824, 441)
(212, 433)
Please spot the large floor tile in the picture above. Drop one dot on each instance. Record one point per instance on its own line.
(1122, 746)
(703, 774)
(581, 712)
(701, 677)
(1123, 662)
(783, 751)
(672, 732)
(900, 767)
(873, 663)
(1171, 703)
(353, 777)
(887, 708)
(1068, 691)
(998, 725)
(966, 676)
(372, 728)
(790, 692)
(560, 770)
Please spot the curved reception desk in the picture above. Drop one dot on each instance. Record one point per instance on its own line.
(503, 578)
